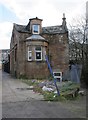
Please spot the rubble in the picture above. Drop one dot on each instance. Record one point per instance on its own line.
(47, 89)
(41, 84)
(81, 92)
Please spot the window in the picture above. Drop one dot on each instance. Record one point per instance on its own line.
(58, 76)
(38, 53)
(29, 55)
(45, 53)
(35, 29)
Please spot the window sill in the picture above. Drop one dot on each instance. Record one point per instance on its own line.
(36, 61)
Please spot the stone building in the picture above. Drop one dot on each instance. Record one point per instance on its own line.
(29, 45)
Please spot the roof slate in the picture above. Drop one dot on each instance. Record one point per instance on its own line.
(47, 30)
(53, 29)
(21, 28)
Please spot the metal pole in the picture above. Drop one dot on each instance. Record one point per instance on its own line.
(52, 75)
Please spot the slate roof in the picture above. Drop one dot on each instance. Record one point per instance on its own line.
(47, 30)
(36, 37)
(21, 28)
(54, 29)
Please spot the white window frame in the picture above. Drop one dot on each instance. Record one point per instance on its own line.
(33, 29)
(29, 52)
(40, 52)
(58, 76)
(44, 54)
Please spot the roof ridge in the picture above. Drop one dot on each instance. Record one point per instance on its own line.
(53, 26)
(19, 24)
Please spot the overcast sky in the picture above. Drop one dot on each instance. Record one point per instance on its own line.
(51, 11)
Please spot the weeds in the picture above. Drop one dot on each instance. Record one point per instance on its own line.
(53, 97)
(67, 92)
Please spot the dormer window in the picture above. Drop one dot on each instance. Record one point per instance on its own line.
(35, 29)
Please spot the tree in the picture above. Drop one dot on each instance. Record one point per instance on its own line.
(78, 46)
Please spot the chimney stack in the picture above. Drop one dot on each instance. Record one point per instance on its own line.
(64, 22)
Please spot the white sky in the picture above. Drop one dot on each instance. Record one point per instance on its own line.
(51, 11)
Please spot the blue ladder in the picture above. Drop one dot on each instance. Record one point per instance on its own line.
(51, 72)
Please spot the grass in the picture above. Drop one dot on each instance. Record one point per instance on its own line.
(38, 89)
(53, 97)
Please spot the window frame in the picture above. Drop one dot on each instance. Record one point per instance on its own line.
(29, 59)
(39, 51)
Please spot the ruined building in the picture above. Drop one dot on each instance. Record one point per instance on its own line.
(29, 45)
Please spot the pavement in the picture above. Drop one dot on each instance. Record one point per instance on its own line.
(14, 90)
(20, 102)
